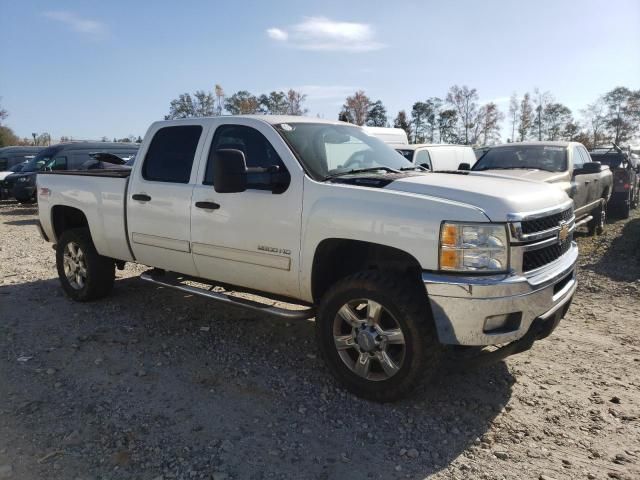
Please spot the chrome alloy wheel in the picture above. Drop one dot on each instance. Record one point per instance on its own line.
(369, 339)
(75, 266)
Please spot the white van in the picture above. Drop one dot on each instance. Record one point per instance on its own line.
(437, 156)
(388, 134)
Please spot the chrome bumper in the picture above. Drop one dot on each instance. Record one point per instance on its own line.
(499, 309)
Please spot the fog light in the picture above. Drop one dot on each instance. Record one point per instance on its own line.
(505, 323)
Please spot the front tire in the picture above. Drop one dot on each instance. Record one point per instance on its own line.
(84, 274)
(376, 335)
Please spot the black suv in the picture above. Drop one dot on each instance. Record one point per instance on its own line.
(626, 177)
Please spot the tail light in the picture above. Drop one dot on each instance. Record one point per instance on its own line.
(621, 179)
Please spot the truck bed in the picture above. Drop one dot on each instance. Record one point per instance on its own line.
(100, 195)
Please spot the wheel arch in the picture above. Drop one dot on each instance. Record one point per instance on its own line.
(64, 217)
(337, 258)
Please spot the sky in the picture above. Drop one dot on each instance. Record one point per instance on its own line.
(88, 69)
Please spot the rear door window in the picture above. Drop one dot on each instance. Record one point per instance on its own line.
(578, 159)
(171, 154)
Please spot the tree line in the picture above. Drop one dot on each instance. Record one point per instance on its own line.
(206, 104)
(458, 117)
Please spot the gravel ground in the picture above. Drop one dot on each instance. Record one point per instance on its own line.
(149, 384)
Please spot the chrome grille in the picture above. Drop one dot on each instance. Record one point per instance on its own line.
(546, 223)
(534, 259)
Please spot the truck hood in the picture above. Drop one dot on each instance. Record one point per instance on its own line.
(496, 195)
(526, 174)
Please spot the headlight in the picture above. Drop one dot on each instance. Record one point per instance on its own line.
(474, 247)
(23, 179)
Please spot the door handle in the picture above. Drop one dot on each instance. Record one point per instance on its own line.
(587, 182)
(142, 197)
(208, 205)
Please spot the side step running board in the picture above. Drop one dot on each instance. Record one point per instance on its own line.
(584, 221)
(175, 282)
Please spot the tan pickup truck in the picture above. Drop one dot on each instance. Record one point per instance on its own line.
(565, 164)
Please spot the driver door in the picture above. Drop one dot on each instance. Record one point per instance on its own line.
(252, 238)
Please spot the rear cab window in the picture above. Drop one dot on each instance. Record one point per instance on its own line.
(171, 154)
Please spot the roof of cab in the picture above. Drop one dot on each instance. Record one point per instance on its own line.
(538, 143)
(271, 119)
(415, 146)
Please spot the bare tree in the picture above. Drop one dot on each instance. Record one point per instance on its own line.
(514, 110)
(3, 113)
(595, 116)
(541, 100)
(489, 119)
(219, 91)
(295, 101)
(465, 102)
(356, 107)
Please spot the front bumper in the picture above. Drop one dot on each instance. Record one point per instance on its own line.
(23, 192)
(495, 310)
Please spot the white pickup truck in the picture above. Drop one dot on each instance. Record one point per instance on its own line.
(394, 262)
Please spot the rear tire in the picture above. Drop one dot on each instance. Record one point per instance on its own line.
(380, 351)
(597, 225)
(625, 208)
(84, 274)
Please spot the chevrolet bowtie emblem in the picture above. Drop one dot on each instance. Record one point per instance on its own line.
(563, 234)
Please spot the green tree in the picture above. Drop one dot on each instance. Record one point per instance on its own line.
(447, 122)
(377, 115)
(242, 103)
(555, 117)
(623, 113)
(274, 104)
(7, 137)
(401, 121)
(181, 107)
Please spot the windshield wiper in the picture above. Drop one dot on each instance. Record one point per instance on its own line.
(419, 168)
(362, 170)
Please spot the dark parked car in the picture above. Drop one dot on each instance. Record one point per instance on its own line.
(64, 156)
(10, 156)
(626, 177)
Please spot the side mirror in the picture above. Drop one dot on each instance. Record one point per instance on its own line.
(464, 166)
(229, 171)
(425, 165)
(590, 167)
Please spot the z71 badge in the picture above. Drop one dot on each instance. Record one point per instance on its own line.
(279, 251)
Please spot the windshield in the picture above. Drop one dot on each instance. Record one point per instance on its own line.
(327, 150)
(613, 160)
(537, 157)
(39, 161)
